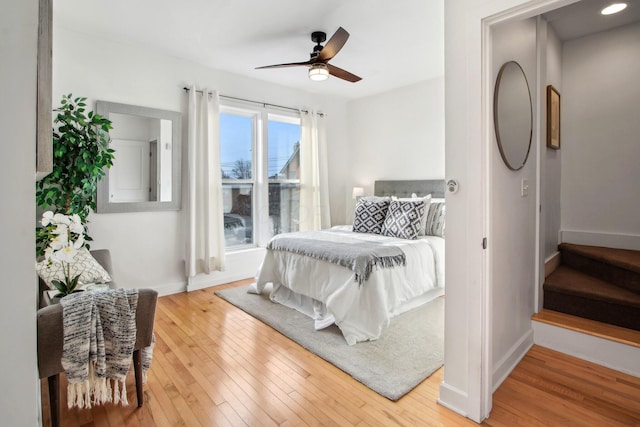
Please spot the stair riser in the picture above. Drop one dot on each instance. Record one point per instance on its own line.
(618, 276)
(602, 311)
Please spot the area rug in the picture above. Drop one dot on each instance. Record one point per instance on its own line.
(408, 352)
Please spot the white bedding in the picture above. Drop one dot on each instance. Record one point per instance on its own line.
(329, 293)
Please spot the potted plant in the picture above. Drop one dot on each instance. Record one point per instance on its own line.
(80, 155)
(64, 235)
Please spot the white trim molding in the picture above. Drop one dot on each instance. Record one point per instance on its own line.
(503, 368)
(595, 238)
(453, 399)
(239, 265)
(614, 355)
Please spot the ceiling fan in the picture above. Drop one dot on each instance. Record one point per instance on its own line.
(319, 67)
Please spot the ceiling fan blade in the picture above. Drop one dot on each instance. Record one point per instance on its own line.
(333, 46)
(291, 64)
(343, 74)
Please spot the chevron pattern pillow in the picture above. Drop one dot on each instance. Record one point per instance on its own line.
(369, 215)
(404, 218)
(435, 219)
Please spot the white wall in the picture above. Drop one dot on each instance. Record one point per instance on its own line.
(397, 135)
(148, 248)
(466, 387)
(19, 405)
(600, 128)
(513, 216)
(552, 159)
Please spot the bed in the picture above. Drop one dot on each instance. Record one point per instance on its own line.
(331, 276)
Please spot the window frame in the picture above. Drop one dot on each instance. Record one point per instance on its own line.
(261, 116)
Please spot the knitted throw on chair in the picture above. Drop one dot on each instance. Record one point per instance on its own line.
(99, 337)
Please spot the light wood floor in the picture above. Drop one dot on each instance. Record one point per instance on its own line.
(215, 365)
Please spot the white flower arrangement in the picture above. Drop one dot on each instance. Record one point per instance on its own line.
(65, 234)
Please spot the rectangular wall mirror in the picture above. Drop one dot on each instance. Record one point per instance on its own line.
(146, 171)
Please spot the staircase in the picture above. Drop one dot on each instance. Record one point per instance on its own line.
(596, 283)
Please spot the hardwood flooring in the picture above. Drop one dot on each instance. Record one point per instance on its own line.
(215, 365)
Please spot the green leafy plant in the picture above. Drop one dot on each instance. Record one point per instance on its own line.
(81, 155)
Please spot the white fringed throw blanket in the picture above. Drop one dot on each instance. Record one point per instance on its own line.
(99, 338)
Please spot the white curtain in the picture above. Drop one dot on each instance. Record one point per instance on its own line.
(205, 221)
(314, 185)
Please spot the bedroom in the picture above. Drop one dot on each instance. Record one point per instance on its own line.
(458, 20)
(106, 74)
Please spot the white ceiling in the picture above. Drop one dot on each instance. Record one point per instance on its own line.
(392, 44)
(584, 18)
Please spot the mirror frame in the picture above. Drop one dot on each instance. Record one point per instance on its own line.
(496, 92)
(103, 205)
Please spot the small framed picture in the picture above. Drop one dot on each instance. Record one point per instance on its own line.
(553, 118)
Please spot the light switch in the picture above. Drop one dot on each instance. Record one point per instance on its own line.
(524, 188)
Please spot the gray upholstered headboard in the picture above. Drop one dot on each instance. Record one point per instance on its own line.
(435, 187)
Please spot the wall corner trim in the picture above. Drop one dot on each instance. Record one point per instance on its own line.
(453, 398)
(510, 360)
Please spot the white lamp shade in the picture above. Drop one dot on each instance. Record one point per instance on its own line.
(319, 72)
(357, 192)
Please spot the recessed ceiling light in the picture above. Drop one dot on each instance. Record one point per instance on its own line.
(613, 8)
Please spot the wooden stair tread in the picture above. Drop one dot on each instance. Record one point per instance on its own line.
(623, 258)
(570, 281)
(590, 327)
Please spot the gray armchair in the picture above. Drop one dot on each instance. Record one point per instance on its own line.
(50, 339)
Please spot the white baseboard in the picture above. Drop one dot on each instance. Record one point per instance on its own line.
(610, 240)
(239, 265)
(171, 288)
(453, 398)
(503, 368)
(611, 354)
(219, 278)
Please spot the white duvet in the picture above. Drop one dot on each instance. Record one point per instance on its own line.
(329, 293)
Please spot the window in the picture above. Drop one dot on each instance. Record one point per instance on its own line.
(283, 164)
(237, 140)
(260, 160)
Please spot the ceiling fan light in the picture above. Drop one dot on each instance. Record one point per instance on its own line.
(319, 72)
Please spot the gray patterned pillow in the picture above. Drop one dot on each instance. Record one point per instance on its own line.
(427, 201)
(370, 215)
(84, 264)
(404, 218)
(435, 219)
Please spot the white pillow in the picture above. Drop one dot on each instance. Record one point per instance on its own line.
(436, 219)
(375, 198)
(427, 202)
(83, 263)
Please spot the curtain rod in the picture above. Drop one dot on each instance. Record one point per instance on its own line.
(264, 104)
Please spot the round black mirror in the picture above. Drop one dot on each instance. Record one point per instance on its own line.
(513, 115)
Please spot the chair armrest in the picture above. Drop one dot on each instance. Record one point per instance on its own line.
(145, 316)
(50, 337)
